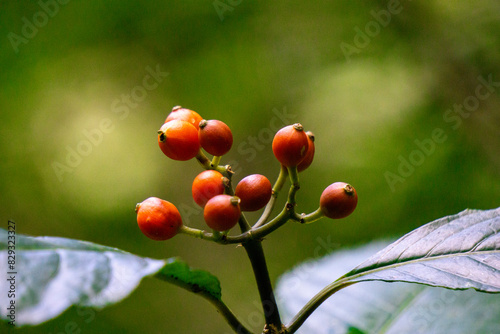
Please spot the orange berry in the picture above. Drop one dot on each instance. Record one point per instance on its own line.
(158, 219)
(222, 212)
(254, 191)
(178, 140)
(338, 200)
(184, 114)
(206, 185)
(308, 159)
(290, 145)
(215, 137)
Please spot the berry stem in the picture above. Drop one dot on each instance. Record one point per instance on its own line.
(215, 161)
(294, 175)
(196, 233)
(281, 180)
(294, 179)
(276, 189)
(312, 217)
(258, 231)
(207, 164)
(203, 160)
(217, 235)
(247, 234)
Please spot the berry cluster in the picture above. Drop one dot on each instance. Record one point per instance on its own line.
(186, 135)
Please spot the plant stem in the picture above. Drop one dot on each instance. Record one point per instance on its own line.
(271, 313)
(257, 232)
(203, 160)
(215, 161)
(231, 319)
(294, 179)
(207, 164)
(276, 189)
(312, 217)
(314, 303)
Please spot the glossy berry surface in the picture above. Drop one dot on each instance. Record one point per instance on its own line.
(254, 192)
(183, 114)
(222, 212)
(178, 140)
(207, 185)
(290, 145)
(215, 137)
(308, 159)
(158, 219)
(338, 200)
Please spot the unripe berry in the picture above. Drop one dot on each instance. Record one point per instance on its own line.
(206, 185)
(183, 114)
(215, 137)
(254, 191)
(158, 219)
(178, 140)
(222, 212)
(308, 159)
(290, 145)
(338, 200)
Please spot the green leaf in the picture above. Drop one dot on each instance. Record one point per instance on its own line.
(378, 307)
(198, 281)
(354, 330)
(53, 274)
(456, 252)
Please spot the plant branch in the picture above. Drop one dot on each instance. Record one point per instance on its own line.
(276, 189)
(255, 253)
(229, 316)
(215, 161)
(314, 303)
(207, 164)
(312, 217)
(203, 160)
(294, 179)
(249, 235)
(259, 232)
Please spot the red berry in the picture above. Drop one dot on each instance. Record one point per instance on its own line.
(254, 191)
(308, 159)
(215, 137)
(158, 219)
(222, 212)
(207, 185)
(290, 145)
(179, 140)
(184, 114)
(338, 200)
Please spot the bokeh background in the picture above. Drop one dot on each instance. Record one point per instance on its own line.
(368, 84)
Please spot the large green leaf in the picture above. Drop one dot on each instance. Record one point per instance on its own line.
(458, 252)
(53, 274)
(378, 307)
(198, 281)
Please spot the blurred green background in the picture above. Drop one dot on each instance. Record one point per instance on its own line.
(368, 78)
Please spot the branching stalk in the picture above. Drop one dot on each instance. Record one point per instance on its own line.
(314, 303)
(312, 217)
(276, 189)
